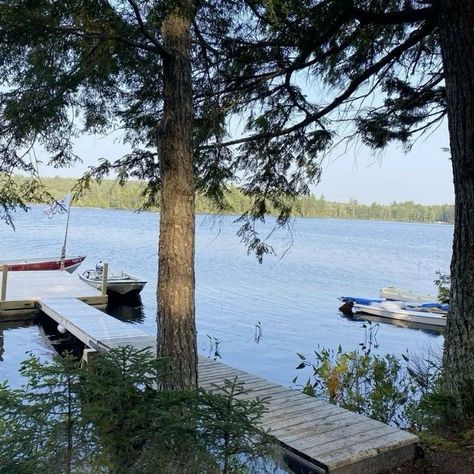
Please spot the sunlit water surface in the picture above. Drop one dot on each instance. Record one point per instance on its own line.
(257, 316)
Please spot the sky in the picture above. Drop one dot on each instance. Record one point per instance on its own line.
(423, 175)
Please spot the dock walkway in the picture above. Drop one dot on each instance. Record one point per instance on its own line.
(94, 328)
(329, 438)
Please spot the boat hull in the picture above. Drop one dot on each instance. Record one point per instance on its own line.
(419, 317)
(123, 284)
(70, 264)
(400, 294)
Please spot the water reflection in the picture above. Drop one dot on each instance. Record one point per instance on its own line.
(7, 325)
(213, 348)
(258, 332)
(60, 342)
(426, 328)
(129, 310)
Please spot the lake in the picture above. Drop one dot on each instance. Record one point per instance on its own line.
(258, 316)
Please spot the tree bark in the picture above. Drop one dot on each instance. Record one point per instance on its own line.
(176, 283)
(456, 27)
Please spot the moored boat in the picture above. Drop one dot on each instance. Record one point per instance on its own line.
(357, 299)
(61, 206)
(52, 263)
(402, 312)
(348, 303)
(120, 283)
(400, 294)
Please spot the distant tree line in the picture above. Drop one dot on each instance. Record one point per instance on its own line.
(109, 194)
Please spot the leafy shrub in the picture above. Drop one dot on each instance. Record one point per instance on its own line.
(369, 384)
(400, 391)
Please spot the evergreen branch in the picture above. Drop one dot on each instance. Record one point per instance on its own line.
(144, 30)
(261, 44)
(201, 40)
(284, 71)
(101, 36)
(264, 19)
(412, 15)
(294, 96)
(39, 107)
(438, 117)
(393, 55)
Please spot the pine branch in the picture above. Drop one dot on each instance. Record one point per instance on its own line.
(393, 55)
(159, 47)
(412, 15)
(101, 36)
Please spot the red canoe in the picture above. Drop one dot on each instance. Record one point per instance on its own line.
(53, 263)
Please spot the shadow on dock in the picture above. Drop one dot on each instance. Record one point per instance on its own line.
(61, 342)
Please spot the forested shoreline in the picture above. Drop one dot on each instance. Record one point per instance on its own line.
(109, 194)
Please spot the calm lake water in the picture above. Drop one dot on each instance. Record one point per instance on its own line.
(260, 315)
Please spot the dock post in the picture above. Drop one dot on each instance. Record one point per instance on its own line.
(105, 272)
(4, 282)
(88, 355)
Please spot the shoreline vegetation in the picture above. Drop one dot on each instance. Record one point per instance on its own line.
(110, 195)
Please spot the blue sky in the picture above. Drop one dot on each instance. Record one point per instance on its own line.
(422, 175)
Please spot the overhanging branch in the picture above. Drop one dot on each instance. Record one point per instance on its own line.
(412, 15)
(394, 54)
(144, 30)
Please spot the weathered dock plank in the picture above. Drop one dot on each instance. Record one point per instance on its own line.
(373, 455)
(336, 440)
(328, 437)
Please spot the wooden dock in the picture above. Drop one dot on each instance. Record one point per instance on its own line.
(327, 438)
(94, 328)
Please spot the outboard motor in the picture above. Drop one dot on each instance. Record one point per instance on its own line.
(99, 267)
(346, 308)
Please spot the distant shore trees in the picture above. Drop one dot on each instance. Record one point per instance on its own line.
(109, 195)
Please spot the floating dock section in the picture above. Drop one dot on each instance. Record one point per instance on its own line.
(94, 328)
(21, 291)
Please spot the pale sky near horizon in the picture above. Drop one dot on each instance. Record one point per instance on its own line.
(422, 175)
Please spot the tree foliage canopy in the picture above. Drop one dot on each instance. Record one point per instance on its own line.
(301, 75)
(287, 68)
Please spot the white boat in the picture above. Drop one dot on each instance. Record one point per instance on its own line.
(121, 283)
(400, 294)
(402, 312)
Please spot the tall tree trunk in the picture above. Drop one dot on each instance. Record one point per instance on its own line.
(456, 25)
(176, 310)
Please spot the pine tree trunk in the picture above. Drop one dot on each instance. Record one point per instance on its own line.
(176, 310)
(456, 24)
